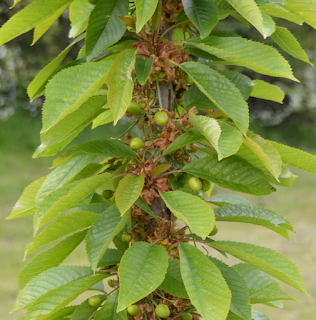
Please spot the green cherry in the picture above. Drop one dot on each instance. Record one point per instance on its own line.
(107, 194)
(133, 108)
(188, 79)
(136, 143)
(95, 301)
(206, 185)
(162, 311)
(132, 310)
(186, 316)
(126, 237)
(195, 184)
(161, 118)
(214, 231)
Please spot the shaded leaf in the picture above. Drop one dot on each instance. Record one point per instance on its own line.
(108, 310)
(220, 91)
(102, 119)
(232, 173)
(255, 215)
(102, 232)
(240, 296)
(203, 14)
(262, 287)
(173, 283)
(143, 67)
(105, 27)
(101, 147)
(111, 256)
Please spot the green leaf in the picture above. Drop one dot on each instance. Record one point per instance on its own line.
(56, 299)
(74, 86)
(242, 82)
(143, 67)
(45, 24)
(281, 12)
(250, 54)
(192, 210)
(62, 174)
(50, 258)
(195, 98)
(230, 140)
(204, 283)
(250, 11)
(108, 310)
(285, 39)
(209, 128)
(79, 13)
(84, 311)
(47, 71)
(259, 315)
(66, 197)
(264, 150)
(173, 283)
(203, 13)
(223, 199)
(60, 227)
(144, 11)
(26, 205)
(262, 287)
(220, 91)
(128, 191)
(120, 83)
(55, 139)
(28, 18)
(255, 215)
(105, 27)
(49, 280)
(150, 263)
(267, 91)
(240, 296)
(101, 147)
(305, 9)
(286, 177)
(102, 232)
(102, 119)
(232, 173)
(264, 259)
(111, 256)
(296, 157)
(269, 26)
(190, 136)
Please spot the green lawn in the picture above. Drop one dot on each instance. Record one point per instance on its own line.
(297, 204)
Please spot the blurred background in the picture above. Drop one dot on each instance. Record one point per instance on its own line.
(293, 123)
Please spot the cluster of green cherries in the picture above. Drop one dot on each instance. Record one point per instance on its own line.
(161, 310)
(161, 118)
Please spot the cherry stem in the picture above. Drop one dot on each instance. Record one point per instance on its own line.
(179, 230)
(165, 174)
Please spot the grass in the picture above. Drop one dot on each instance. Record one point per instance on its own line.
(297, 204)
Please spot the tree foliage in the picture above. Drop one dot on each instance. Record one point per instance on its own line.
(139, 58)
